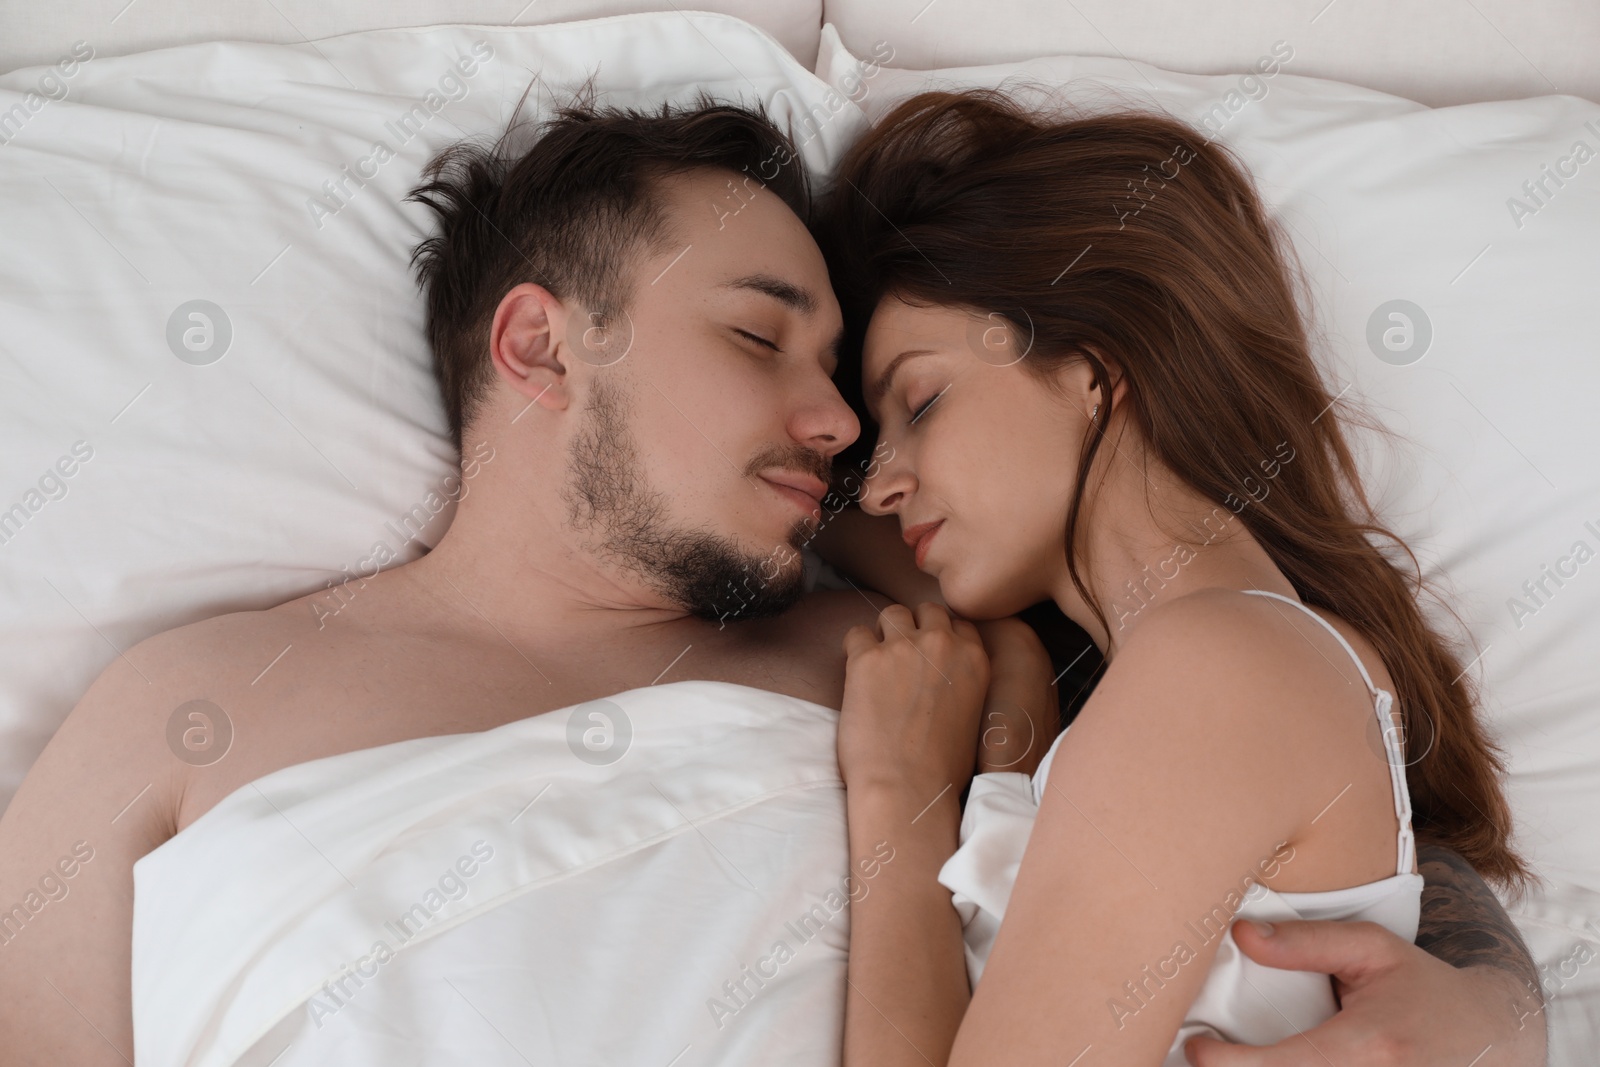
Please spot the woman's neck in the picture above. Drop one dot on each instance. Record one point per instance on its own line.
(1146, 545)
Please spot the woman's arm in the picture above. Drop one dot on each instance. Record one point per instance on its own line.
(1178, 787)
(907, 970)
(907, 732)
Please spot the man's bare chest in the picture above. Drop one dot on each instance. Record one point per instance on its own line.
(365, 690)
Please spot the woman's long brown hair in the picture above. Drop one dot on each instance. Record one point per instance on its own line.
(1130, 235)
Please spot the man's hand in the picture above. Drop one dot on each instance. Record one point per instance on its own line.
(1398, 1005)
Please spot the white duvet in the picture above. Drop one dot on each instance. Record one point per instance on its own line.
(510, 897)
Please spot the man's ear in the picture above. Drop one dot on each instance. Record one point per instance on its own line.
(526, 345)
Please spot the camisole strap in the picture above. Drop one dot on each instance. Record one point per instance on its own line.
(1391, 731)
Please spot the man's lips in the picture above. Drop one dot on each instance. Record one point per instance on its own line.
(804, 489)
(920, 536)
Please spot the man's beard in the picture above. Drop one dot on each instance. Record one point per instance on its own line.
(707, 575)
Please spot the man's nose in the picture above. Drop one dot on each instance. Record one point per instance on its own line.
(827, 424)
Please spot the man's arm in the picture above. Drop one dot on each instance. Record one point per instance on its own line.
(101, 795)
(1464, 924)
(1466, 992)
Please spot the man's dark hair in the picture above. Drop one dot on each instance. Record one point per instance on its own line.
(570, 213)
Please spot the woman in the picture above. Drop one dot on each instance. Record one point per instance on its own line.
(1081, 345)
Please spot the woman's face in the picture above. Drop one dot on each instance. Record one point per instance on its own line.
(973, 441)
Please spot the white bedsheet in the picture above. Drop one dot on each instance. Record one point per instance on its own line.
(629, 913)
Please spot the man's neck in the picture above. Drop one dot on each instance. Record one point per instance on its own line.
(526, 581)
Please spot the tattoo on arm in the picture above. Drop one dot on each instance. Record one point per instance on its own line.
(1462, 921)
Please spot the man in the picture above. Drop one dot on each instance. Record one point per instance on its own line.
(634, 339)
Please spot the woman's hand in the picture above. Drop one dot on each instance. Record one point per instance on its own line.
(914, 686)
(1021, 714)
(913, 691)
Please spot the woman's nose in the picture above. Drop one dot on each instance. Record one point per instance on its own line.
(888, 482)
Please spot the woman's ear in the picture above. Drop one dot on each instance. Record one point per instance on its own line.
(1113, 372)
(1076, 382)
(526, 345)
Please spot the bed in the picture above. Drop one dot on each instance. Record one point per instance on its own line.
(218, 396)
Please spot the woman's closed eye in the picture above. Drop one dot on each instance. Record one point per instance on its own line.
(924, 408)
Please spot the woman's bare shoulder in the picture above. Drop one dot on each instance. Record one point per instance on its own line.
(1224, 678)
(1253, 701)
(1244, 644)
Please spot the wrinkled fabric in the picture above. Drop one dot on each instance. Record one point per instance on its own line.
(688, 898)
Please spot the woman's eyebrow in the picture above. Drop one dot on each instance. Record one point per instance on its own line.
(881, 386)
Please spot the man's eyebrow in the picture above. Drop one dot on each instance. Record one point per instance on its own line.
(787, 293)
(881, 386)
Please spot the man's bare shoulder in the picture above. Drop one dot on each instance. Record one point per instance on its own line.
(240, 632)
(107, 789)
(171, 707)
(138, 715)
(202, 660)
(801, 652)
(826, 614)
(129, 704)
(845, 603)
(234, 652)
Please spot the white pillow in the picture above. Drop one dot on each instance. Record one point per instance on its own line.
(1495, 476)
(35, 32)
(142, 487)
(1436, 51)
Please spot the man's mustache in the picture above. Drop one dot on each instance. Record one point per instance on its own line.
(798, 458)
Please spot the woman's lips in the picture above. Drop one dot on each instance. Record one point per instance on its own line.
(924, 540)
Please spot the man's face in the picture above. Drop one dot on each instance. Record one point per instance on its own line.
(701, 455)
